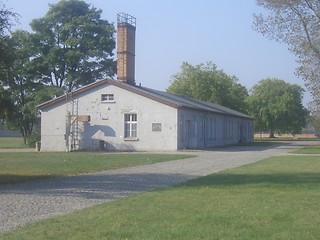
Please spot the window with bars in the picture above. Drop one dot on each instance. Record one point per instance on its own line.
(130, 126)
(107, 97)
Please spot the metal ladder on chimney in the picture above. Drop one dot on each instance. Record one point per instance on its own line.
(75, 142)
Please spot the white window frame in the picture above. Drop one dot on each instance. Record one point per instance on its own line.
(130, 126)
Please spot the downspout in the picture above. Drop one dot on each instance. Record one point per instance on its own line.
(205, 128)
(66, 136)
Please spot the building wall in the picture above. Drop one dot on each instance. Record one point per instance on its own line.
(53, 128)
(200, 129)
(159, 127)
(156, 123)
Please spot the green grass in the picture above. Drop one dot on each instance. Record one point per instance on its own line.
(309, 150)
(277, 198)
(282, 139)
(12, 142)
(20, 167)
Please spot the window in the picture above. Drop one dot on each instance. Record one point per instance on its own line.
(130, 126)
(107, 97)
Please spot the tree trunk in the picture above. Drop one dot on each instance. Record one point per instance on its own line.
(271, 135)
(24, 135)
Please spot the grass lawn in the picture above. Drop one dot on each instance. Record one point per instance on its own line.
(279, 139)
(12, 142)
(19, 167)
(309, 150)
(277, 198)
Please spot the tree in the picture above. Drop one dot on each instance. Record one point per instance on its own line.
(6, 22)
(277, 107)
(73, 45)
(6, 58)
(206, 83)
(23, 89)
(296, 23)
(6, 105)
(6, 18)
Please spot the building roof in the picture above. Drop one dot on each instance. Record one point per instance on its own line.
(169, 99)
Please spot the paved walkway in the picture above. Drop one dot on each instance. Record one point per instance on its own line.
(32, 201)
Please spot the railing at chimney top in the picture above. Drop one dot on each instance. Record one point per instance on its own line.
(126, 18)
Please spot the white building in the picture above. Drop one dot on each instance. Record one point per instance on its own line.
(118, 115)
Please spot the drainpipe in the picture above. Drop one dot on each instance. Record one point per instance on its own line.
(67, 133)
(205, 128)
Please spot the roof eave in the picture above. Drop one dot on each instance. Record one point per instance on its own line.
(127, 87)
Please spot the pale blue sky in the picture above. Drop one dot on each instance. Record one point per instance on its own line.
(172, 31)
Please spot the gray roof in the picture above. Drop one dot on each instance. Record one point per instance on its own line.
(188, 102)
(166, 98)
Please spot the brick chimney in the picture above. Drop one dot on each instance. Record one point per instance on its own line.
(126, 29)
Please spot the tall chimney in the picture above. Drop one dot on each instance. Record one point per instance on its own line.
(126, 25)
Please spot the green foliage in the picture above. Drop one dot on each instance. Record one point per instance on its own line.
(26, 166)
(6, 104)
(19, 85)
(6, 22)
(24, 90)
(277, 107)
(206, 83)
(72, 45)
(6, 18)
(314, 118)
(6, 57)
(34, 137)
(274, 199)
(25, 116)
(297, 24)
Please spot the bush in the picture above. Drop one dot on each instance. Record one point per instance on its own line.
(35, 137)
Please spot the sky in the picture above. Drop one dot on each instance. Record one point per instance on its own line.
(170, 32)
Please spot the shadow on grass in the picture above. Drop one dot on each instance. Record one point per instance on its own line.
(247, 179)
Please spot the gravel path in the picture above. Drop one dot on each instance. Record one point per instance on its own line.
(32, 201)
